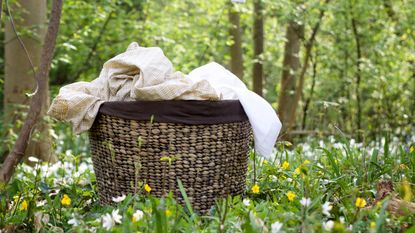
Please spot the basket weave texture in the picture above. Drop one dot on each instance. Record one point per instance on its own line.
(211, 160)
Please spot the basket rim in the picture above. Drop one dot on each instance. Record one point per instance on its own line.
(192, 112)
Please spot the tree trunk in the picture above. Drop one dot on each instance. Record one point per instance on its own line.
(237, 62)
(36, 103)
(291, 92)
(291, 66)
(19, 72)
(308, 100)
(258, 38)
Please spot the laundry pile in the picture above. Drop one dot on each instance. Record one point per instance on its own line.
(142, 73)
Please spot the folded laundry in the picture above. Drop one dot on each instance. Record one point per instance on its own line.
(147, 74)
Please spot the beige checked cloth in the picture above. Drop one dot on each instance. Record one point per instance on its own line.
(137, 74)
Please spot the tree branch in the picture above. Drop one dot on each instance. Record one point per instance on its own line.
(48, 48)
(93, 48)
(20, 39)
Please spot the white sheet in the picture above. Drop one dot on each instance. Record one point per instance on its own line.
(264, 121)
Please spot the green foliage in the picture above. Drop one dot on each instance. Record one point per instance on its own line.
(329, 173)
(192, 33)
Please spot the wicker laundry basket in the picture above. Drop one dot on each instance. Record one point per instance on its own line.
(205, 144)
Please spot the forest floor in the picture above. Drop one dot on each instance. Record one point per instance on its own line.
(318, 186)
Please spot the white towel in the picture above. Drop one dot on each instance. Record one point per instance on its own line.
(264, 121)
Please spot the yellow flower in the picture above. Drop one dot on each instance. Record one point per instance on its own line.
(412, 149)
(290, 195)
(285, 165)
(24, 205)
(372, 224)
(168, 213)
(66, 200)
(255, 188)
(360, 202)
(297, 170)
(147, 188)
(306, 162)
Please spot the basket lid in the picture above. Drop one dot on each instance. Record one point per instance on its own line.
(177, 111)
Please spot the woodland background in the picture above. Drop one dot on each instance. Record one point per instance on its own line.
(340, 74)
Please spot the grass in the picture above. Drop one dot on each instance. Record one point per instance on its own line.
(330, 175)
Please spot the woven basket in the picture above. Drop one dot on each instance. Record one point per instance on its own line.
(205, 144)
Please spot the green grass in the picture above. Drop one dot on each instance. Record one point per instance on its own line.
(331, 172)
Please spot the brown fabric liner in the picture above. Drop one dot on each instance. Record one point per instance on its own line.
(190, 112)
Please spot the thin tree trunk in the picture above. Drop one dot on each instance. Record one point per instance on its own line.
(291, 66)
(37, 101)
(290, 90)
(258, 38)
(358, 79)
(308, 46)
(308, 101)
(22, 58)
(236, 52)
(86, 63)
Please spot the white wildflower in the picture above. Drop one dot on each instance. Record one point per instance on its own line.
(54, 192)
(326, 208)
(246, 202)
(276, 227)
(41, 203)
(138, 215)
(305, 201)
(118, 199)
(274, 178)
(117, 218)
(328, 226)
(33, 159)
(73, 221)
(107, 222)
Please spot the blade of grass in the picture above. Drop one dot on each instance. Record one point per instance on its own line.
(185, 198)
